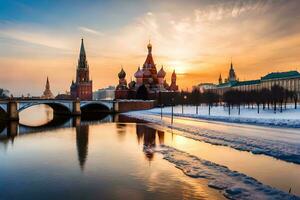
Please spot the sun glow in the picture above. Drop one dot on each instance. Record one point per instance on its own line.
(178, 66)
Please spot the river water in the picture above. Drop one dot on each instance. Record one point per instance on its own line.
(88, 159)
(103, 158)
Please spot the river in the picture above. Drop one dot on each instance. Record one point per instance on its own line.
(102, 157)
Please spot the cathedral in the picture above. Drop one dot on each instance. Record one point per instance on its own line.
(148, 82)
(82, 87)
(47, 94)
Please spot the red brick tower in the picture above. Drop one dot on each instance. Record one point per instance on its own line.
(82, 88)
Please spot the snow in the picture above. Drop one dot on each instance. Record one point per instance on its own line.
(233, 185)
(279, 143)
(288, 118)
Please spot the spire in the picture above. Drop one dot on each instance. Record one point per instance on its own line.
(220, 79)
(149, 62)
(47, 84)
(149, 46)
(231, 65)
(82, 62)
(82, 50)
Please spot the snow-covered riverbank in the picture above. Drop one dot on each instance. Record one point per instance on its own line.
(288, 118)
(283, 144)
(280, 143)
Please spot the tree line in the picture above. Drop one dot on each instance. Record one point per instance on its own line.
(275, 98)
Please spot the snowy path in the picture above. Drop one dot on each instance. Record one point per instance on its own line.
(280, 143)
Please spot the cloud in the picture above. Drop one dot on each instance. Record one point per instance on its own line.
(35, 36)
(89, 30)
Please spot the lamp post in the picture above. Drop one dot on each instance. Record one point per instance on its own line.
(161, 105)
(172, 113)
(184, 98)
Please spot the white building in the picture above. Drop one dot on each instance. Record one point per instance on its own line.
(104, 93)
(202, 87)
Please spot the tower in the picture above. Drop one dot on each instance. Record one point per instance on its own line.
(149, 68)
(220, 79)
(82, 88)
(232, 75)
(47, 94)
(173, 86)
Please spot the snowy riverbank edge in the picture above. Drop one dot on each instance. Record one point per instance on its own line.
(233, 185)
(287, 119)
(281, 150)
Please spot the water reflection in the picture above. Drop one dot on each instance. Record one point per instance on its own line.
(82, 143)
(117, 147)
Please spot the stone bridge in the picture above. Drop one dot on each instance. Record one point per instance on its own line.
(9, 109)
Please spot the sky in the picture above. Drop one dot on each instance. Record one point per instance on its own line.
(197, 38)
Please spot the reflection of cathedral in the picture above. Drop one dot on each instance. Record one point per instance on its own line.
(148, 136)
(148, 82)
(82, 142)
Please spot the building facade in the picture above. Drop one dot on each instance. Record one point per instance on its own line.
(148, 82)
(202, 87)
(82, 88)
(105, 93)
(47, 94)
(289, 80)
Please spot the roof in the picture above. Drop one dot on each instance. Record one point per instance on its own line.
(251, 82)
(82, 50)
(281, 75)
(227, 84)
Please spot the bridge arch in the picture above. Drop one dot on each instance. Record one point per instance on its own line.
(3, 113)
(95, 107)
(58, 107)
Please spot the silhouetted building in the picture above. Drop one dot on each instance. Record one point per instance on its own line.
(47, 94)
(82, 87)
(148, 81)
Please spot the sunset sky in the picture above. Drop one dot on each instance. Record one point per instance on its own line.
(197, 38)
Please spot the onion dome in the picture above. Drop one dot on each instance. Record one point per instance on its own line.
(147, 73)
(161, 73)
(122, 74)
(131, 84)
(138, 73)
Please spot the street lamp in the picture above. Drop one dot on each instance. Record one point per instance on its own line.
(172, 105)
(184, 97)
(161, 105)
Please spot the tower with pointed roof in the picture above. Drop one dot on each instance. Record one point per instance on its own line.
(47, 94)
(173, 86)
(220, 79)
(82, 87)
(232, 76)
